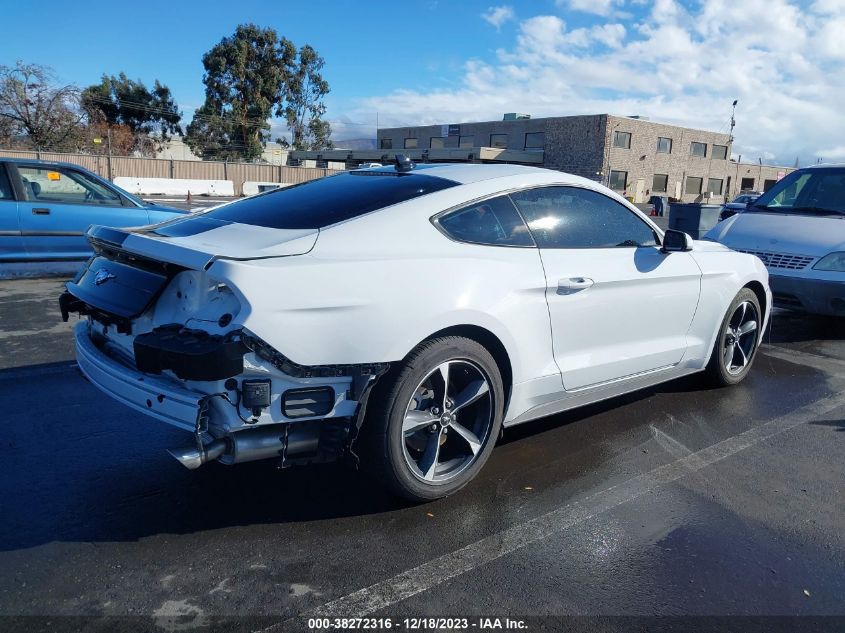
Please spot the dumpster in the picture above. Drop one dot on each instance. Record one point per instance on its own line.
(693, 218)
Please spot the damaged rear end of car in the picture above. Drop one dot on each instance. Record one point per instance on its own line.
(162, 334)
(228, 325)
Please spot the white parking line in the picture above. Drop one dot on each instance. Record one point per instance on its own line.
(419, 579)
(673, 446)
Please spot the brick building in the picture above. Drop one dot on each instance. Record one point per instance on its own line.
(631, 155)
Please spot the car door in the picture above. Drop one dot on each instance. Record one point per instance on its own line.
(61, 203)
(11, 243)
(618, 305)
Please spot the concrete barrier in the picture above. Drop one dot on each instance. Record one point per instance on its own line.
(175, 186)
(252, 187)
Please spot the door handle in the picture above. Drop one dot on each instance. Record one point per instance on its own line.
(571, 285)
(40, 211)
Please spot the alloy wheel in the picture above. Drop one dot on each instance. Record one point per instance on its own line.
(447, 421)
(740, 338)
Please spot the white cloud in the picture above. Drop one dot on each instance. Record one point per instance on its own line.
(780, 58)
(497, 16)
(597, 7)
(831, 7)
(832, 153)
(611, 35)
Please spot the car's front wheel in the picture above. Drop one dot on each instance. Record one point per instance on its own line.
(434, 419)
(738, 339)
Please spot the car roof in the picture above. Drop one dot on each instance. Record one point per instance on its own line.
(824, 166)
(36, 161)
(467, 173)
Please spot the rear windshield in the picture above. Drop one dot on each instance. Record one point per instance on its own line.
(319, 203)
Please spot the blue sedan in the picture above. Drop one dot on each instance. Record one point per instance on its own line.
(45, 209)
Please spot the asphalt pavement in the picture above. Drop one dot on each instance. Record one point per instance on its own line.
(678, 501)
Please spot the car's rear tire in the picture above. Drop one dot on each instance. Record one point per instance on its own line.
(426, 442)
(736, 344)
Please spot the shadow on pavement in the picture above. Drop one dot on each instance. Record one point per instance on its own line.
(797, 327)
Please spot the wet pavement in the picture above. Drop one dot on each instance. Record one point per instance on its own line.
(679, 500)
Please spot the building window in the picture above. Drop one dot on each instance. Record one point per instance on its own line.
(768, 184)
(660, 183)
(437, 142)
(535, 140)
(386, 143)
(467, 142)
(746, 184)
(618, 180)
(720, 152)
(622, 139)
(693, 185)
(664, 145)
(499, 140)
(698, 149)
(714, 186)
(410, 143)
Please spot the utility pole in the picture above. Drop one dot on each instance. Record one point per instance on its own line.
(733, 123)
(108, 137)
(729, 195)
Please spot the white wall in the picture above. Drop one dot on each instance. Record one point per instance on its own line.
(252, 187)
(175, 186)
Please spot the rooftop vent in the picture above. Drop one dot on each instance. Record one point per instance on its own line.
(515, 116)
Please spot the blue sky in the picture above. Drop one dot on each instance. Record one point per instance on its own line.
(441, 61)
(370, 47)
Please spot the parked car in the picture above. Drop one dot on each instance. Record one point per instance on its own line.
(797, 229)
(401, 317)
(46, 207)
(737, 205)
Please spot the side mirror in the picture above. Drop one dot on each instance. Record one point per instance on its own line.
(676, 242)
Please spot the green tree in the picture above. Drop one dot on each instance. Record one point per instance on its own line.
(152, 116)
(32, 104)
(303, 106)
(245, 75)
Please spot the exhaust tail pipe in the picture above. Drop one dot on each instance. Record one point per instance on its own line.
(193, 458)
(277, 440)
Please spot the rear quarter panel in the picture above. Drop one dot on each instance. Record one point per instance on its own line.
(374, 288)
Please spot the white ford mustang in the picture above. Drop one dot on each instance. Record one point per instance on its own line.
(401, 316)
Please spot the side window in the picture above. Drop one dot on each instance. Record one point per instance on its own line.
(494, 222)
(6, 192)
(571, 217)
(67, 186)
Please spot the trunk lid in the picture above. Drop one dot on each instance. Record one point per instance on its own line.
(198, 243)
(131, 267)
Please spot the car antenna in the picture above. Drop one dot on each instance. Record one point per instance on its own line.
(404, 164)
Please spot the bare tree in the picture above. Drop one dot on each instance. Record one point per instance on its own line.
(32, 104)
